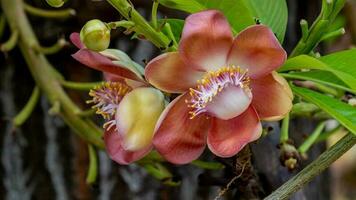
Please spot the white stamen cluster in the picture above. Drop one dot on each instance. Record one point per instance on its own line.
(106, 98)
(213, 83)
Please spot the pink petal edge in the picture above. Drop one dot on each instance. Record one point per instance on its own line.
(75, 39)
(227, 137)
(178, 138)
(114, 148)
(99, 62)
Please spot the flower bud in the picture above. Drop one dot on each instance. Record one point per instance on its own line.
(55, 3)
(289, 155)
(95, 35)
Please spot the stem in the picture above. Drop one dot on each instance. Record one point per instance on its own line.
(2, 25)
(324, 136)
(154, 14)
(122, 23)
(11, 42)
(141, 25)
(333, 34)
(60, 14)
(326, 89)
(319, 87)
(207, 165)
(329, 11)
(304, 109)
(304, 27)
(55, 109)
(44, 74)
(313, 169)
(26, 111)
(93, 165)
(86, 113)
(303, 148)
(161, 173)
(284, 129)
(80, 85)
(168, 28)
(52, 49)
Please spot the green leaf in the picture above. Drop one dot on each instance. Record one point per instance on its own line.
(274, 15)
(302, 62)
(319, 76)
(342, 112)
(342, 64)
(236, 11)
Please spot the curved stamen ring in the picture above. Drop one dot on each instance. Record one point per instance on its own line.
(212, 84)
(106, 98)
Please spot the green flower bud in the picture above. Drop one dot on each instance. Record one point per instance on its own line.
(95, 35)
(56, 3)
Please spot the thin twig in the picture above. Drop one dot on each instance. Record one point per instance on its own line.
(223, 191)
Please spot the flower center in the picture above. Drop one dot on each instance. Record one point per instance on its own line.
(106, 98)
(212, 84)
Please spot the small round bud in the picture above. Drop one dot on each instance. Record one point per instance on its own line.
(55, 3)
(95, 35)
(289, 155)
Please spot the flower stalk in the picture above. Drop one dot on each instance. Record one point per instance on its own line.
(161, 173)
(85, 86)
(154, 14)
(51, 49)
(168, 28)
(207, 165)
(93, 166)
(11, 42)
(56, 14)
(303, 148)
(326, 135)
(284, 130)
(26, 111)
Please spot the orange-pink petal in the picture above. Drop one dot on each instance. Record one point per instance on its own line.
(227, 137)
(129, 82)
(113, 144)
(206, 40)
(178, 138)
(257, 49)
(104, 64)
(169, 73)
(272, 97)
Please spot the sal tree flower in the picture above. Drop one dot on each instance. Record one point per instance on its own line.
(130, 107)
(228, 85)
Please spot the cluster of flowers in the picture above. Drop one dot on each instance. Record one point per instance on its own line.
(226, 84)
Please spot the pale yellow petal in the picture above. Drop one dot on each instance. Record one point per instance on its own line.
(137, 115)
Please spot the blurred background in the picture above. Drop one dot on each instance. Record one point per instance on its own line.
(44, 159)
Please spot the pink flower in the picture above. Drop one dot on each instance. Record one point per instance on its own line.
(130, 108)
(228, 85)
